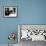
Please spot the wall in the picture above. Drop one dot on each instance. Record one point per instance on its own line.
(7, 25)
(29, 12)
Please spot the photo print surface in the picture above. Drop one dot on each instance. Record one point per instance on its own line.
(33, 32)
(10, 11)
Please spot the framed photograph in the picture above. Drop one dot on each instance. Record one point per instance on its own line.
(32, 32)
(10, 11)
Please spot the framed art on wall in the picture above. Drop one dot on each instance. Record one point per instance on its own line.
(10, 11)
(32, 32)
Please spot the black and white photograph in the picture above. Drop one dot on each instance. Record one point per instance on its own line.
(33, 32)
(10, 11)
